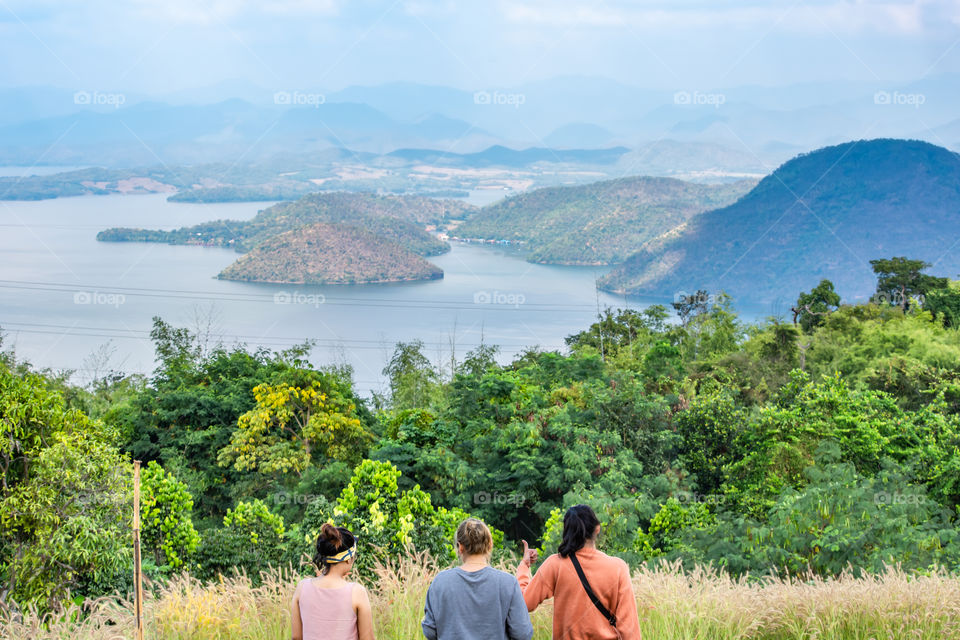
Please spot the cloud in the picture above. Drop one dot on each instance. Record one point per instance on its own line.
(848, 16)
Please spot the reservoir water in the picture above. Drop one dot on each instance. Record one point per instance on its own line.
(64, 296)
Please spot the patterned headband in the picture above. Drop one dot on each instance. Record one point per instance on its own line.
(343, 556)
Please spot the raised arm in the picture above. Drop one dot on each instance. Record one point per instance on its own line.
(296, 624)
(361, 604)
(537, 588)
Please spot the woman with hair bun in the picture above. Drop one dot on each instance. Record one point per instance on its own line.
(328, 607)
(475, 601)
(592, 592)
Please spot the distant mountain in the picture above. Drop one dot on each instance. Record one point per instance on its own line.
(701, 161)
(824, 214)
(396, 218)
(579, 135)
(501, 156)
(598, 223)
(324, 253)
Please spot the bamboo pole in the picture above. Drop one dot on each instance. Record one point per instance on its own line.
(137, 575)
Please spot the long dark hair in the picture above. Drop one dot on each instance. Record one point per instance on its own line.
(579, 523)
(331, 541)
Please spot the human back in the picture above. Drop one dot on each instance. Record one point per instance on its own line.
(327, 612)
(329, 607)
(474, 600)
(575, 615)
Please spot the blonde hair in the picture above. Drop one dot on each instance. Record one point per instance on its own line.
(474, 536)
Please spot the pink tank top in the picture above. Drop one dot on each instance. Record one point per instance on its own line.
(327, 614)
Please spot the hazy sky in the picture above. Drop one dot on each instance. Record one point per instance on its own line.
(156, 46)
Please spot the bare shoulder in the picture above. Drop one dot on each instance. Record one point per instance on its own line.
(298, 589)
(359, 592)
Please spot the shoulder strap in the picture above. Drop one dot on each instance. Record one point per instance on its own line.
(612, 619)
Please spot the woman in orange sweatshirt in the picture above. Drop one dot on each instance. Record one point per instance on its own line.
(575, 614)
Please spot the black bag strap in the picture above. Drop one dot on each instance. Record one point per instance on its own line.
(612, 619)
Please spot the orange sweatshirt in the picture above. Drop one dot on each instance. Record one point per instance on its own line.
(574, 616)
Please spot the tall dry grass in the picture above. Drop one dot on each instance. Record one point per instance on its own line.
(673, 605)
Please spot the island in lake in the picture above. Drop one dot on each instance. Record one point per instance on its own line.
(324, 238)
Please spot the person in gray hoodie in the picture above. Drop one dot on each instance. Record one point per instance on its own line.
(475, 601)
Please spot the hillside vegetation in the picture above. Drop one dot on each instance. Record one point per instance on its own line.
(824, 214)
(325, 253)
(599, 223)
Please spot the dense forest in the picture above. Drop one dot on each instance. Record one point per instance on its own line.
(826, 440)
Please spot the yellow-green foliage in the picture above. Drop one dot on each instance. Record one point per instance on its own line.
(673, 605)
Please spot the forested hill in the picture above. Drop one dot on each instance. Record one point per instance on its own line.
(598, 223)
(824, 214)
(325, 253)
(396, 217)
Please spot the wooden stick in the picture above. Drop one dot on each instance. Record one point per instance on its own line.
(137, 575)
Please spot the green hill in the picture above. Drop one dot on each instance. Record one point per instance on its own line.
(396, 217)
(599, 223)
(824, 214)
(324, 253)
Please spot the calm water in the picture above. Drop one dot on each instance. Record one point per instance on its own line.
(63, 295)
(44, 170)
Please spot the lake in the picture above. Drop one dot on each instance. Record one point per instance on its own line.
(65, 297)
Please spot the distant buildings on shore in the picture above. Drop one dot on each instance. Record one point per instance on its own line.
(444, 236)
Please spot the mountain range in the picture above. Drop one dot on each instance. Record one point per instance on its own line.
(239, 120)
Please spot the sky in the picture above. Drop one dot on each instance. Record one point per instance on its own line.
(163, 46)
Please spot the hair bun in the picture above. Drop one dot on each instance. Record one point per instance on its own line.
(332, 534)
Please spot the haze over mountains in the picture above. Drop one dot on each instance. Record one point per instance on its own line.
(239, 119)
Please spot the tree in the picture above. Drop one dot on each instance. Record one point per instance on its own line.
(251, 540)
(944, 304)
(689, 307)
(67, 524)
(292, 426)
(166, 509)
(414, 382)
(900, 279)
(64, 495)
(812, 307)
(620, 329)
